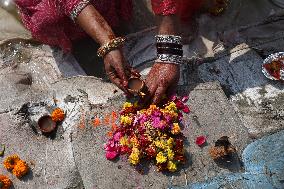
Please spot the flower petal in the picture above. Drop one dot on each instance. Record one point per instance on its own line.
(184, 99)
(200, 141)
(110, 155)
(186, 109)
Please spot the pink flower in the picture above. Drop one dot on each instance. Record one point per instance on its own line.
(158, 123)
(110, 155)
(112, 149)
(179, 104)
(117, 136)
(186, 109)
(184, 99)
(200, 141)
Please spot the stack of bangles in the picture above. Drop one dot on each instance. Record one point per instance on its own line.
(169, 49)
(110, 46)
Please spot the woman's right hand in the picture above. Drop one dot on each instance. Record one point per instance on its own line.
(118, 70)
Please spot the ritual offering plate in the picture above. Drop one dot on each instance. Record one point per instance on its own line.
(46, 124)
(273, 66)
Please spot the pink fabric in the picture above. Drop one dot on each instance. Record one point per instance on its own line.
(49, 20)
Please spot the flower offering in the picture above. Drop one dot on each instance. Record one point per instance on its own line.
(152, 134)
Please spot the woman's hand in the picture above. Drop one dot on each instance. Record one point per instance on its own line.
(162, 79)
(118, 70)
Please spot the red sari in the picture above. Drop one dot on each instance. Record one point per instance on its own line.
(50, 21)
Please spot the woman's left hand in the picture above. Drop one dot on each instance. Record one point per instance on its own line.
(162, 79)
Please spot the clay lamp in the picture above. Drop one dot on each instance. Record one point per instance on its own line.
(136, 86)
(46, 124)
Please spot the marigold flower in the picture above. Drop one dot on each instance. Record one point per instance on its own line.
(134, 141)
(134, 156)
(127, 105)
(170, 142)
(160, 158)
(5, 182)
(171, 154)
(160, 144)
(57, 115)
(10, 162)
(175, 129)
(125, 120)
(123, 141)
(171, 166)
(20, 169)
(171, 107)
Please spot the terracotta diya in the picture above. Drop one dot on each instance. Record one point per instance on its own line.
(46, 124)
(136, 86)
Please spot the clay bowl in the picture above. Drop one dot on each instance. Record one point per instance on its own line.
(46, 124)
(135, 85)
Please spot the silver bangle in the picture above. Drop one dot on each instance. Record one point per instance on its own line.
(169, 58)
(168, 39)
(78, 9)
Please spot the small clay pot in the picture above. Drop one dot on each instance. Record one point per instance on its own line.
(136, 86)
(46, 124)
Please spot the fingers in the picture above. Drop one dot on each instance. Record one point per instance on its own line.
(122, 75)
(117, 81)
(160, 92)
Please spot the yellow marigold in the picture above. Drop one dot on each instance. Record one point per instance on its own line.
(20, 169)
(171, 107)
(173, 114)
(126, 120)
(170, 142)
(10, 162)
(160, 158)
(134, 156)
(176, 129)
(171, 166)
(161, 144)
(123, 141)
(5, 182)
(171, 154)
(127, 105)
(57, 115)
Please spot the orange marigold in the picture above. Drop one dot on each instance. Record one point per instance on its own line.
(5, 182)
(11, 161)
(20, 169)
(58, 115)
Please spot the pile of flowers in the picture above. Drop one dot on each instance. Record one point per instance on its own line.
(152, 134)
(18, 167)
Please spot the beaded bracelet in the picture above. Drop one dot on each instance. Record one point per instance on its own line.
(111, 45)
(174, 39)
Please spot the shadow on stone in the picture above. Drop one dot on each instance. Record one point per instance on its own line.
(231, 162)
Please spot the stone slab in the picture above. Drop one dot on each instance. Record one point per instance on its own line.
(263, 162)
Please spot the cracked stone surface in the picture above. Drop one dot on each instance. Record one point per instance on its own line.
(228, 96)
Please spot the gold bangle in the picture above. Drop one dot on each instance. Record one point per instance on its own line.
(111, 45)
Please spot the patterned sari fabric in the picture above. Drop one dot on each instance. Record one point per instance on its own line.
(50, 21)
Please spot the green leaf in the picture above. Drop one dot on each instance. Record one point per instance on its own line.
(2, 149)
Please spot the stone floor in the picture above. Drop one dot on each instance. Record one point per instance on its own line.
(229, 96)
